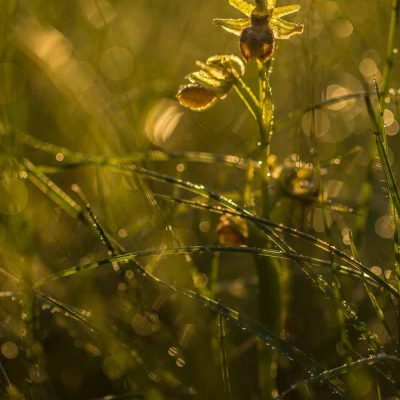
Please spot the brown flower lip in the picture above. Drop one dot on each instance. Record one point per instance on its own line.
(257, 42)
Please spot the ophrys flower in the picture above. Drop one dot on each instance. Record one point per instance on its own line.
(212, 82)
(262, 26)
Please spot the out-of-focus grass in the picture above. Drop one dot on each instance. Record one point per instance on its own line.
(87, 91)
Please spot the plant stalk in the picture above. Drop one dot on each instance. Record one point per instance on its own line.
(269, 284)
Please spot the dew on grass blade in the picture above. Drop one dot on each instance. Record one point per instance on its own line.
(154, 377)
(59, 157)
(173, 351)
(129, 274)
(180, 362)
(143, 325)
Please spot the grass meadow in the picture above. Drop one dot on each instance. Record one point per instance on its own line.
(187, 213)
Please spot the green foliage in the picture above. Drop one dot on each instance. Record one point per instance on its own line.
(248, 252)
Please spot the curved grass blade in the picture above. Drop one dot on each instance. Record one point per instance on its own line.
(296, 115)
(335, 372)
(152, 155)
(78, 315)
(224, 363)
(4, 374)
(259, 222)
(291, 352)
(103, 235)
(263, 224)
(180, 251)
(280, 12)
(382, 146)
(103, 334)
(9, 275)
(50, 189)
(393, 29)
(233, 25)
(271, 234)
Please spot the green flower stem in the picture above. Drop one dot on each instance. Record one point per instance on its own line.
(382, 147)
(266, 130)
(393, 29)
(260, 4)
(269, 282)
(381, 141)
(248, 197)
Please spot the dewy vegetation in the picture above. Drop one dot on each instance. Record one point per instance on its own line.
(142, 261)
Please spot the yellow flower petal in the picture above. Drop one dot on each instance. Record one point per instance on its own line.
(206, 80)
(280, 12)
(232, 25)
(233, 66)
(284, 30)
(242, 6)
(196, 97)
(212, 71)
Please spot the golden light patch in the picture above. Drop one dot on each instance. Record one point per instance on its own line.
(196, 98)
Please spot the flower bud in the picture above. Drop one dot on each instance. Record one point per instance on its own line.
(213, 81)
(232, 231)
(296, 179)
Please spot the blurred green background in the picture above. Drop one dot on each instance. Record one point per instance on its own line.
(99, 77)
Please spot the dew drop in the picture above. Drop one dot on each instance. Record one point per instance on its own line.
(172, 351)
(180, 362)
